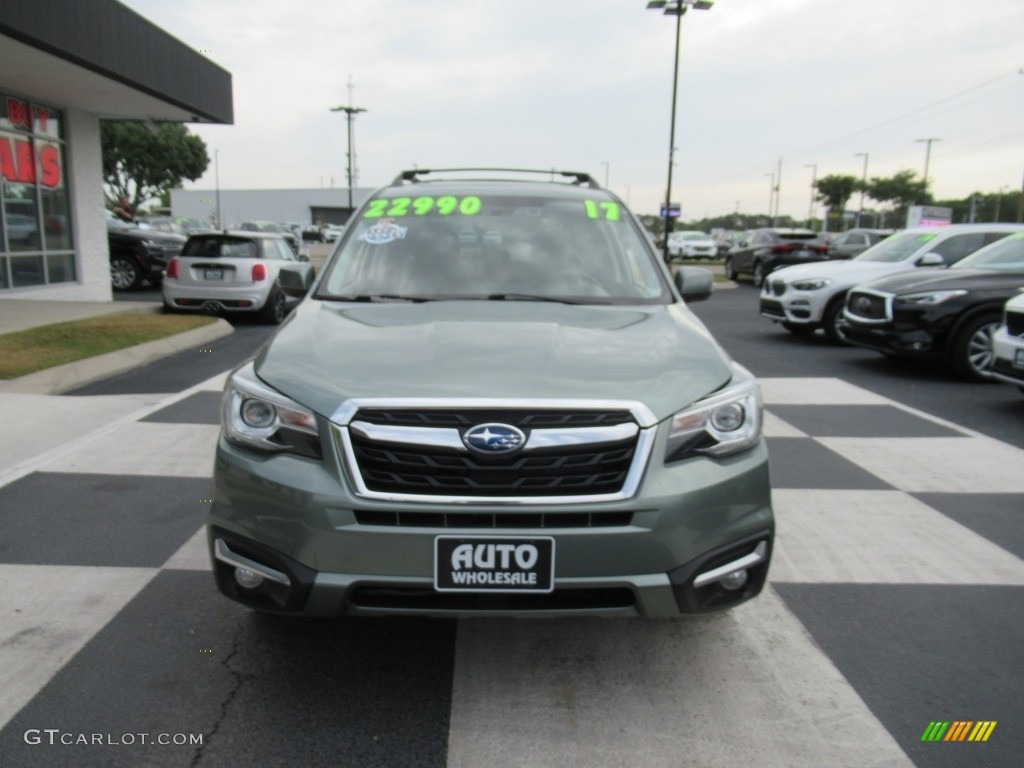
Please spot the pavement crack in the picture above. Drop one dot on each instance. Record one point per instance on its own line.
(238, 679)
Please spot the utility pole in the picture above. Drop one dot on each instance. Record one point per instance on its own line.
(927, 158)
(778, 187)
(863, 181)
(350, 113)
(216, 176)
(814, 182)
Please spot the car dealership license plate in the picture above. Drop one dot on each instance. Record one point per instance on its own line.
(213, 274)
(494, 564)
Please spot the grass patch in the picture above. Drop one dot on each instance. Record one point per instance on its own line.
(33, 350)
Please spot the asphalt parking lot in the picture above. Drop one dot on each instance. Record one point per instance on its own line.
(895, 597)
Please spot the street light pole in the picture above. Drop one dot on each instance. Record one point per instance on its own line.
(607, 168)
(863, 181)
(674, 8)
(350, 112)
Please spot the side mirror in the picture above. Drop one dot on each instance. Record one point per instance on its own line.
(931, 259)
(694, 283)
(303, 257)
(292, 281)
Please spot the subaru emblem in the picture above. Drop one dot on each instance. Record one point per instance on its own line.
(494, 438)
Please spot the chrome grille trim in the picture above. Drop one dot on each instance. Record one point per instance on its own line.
(344, 426)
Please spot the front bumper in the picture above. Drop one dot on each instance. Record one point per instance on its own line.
(1008, 365)
(299, 518)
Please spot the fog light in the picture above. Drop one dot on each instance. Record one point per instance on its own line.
(734, 580)
(247, 579)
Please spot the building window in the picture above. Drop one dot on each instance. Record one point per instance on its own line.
(36, 242)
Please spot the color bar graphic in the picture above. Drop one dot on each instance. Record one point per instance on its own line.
(958, 730)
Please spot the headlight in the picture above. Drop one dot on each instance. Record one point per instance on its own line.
(724, 423)
(815, 284)
(256, 416)
(929, 298)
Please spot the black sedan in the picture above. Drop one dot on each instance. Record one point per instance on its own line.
(764, 250)
(946, 314)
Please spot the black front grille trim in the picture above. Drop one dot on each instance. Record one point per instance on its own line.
(428, 600)
(517, 520)
(1015, 323)
(875, 309)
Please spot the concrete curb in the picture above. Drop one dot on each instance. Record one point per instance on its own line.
(62, 378)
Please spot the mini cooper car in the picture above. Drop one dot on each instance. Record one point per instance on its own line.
(947, 314)
(236, 273)
(494, 401)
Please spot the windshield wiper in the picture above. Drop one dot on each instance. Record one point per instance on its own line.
(372, 297)
(530, 297)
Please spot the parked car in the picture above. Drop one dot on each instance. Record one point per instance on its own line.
(138, 253)
(237, 272)
(763, 251)
(277, 229)
(853, 242)
(804, 298)
(333, 231)
(948, 314)
(1008, 344)
(163, 224)
(494, 401)
(691, 245)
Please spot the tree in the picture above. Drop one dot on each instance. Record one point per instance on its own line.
(902, 190)
(834, 191)
(142, 164)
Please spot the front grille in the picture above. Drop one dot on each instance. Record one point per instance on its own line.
(778, 287)
(772, 308)
(390, 468)
(867, 306)
(1015, 323)
(411, 598)
(419, 451)
(530, 520)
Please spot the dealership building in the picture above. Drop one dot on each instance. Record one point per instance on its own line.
(299, 206)
(64, 66)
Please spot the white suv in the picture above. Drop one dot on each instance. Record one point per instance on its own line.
(805, 297)
(1008, 344)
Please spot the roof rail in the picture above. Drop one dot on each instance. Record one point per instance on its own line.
(578, 177)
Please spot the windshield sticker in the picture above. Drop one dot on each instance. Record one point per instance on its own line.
(1016, 236)
(606, 210)
(446, 205)
(384, 231)
(925, 239)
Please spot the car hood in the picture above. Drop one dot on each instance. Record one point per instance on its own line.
(944, 279)
(840, 272)
(327, 353)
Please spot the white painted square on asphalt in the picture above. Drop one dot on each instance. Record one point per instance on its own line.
(145, 448)
(49, 613)
(937, 464)
(776, 427)
(744, 687)
(816, 392)
(880, 537)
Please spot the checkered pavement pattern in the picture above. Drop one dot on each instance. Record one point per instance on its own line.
(899, 558)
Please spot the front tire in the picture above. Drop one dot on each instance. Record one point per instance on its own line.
(971, 354)
(730, 272)
(830, 319)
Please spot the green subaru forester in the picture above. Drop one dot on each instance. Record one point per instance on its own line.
(493, 401)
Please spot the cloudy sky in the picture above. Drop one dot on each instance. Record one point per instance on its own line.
(587, 85)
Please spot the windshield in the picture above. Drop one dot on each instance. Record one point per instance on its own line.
(896, 247)
(509, 247)
(1006, 254)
